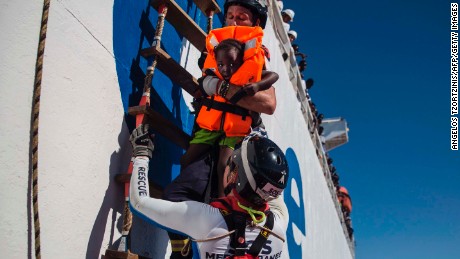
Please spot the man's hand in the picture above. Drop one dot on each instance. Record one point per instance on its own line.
(141, 141)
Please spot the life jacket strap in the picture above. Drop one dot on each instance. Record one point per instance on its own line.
(225, 107)
(237, 96)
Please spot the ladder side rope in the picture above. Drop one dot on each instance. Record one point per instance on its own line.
(162, 11)
(210, 15)
(127, 219)
(34, 125)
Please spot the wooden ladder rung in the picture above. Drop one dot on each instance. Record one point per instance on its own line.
(185, 25)
(163, 126)
(172, 69)
(156, 191)
(207, 5)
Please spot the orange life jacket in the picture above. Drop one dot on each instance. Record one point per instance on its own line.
(216, 113)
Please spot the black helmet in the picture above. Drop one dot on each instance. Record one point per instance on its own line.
(262, 170)
(257, 7)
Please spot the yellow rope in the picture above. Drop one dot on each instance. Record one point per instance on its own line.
(251, 213)
(34, 125)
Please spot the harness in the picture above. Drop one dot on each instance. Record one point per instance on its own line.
(237, 221)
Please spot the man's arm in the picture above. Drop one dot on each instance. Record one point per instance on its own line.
(268, 79)
(263, 101)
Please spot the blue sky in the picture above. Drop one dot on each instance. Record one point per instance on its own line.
(385, 67)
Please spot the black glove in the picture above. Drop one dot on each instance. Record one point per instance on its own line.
(141, 141)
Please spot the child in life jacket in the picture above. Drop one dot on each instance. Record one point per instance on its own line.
(220, 121)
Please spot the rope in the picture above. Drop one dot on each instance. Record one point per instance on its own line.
(34, 124)
(127, 218)
(186, 249)
(214, 238)
(251, 213)
(231, 232)
(162, 11)
(210, 14)
(127, 215)
(271, 232)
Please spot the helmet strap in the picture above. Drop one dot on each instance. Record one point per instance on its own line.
(251, 213)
